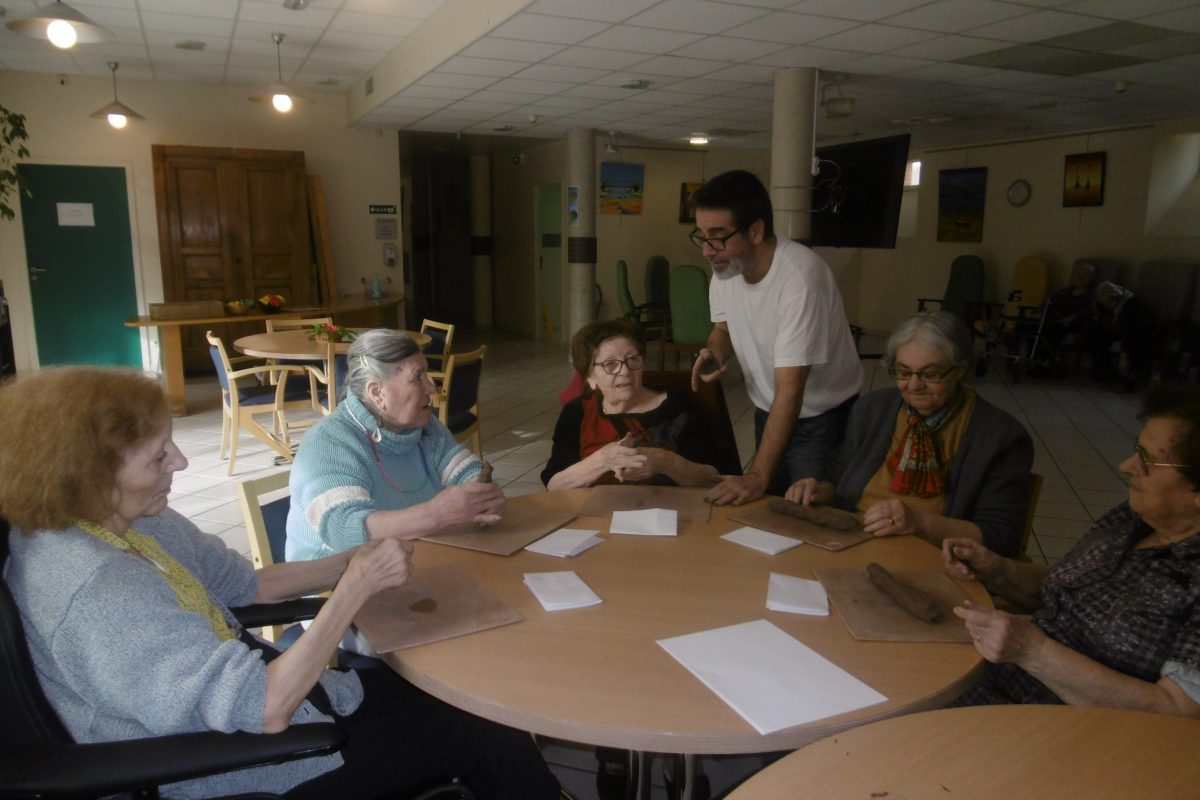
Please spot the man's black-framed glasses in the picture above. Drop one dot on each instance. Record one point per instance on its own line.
(613, 365)
(715, 242)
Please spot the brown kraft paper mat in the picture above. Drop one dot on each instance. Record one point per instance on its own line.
(440, 602)
(786, 525)
(872, 616)
(688, 501)
(520, 525)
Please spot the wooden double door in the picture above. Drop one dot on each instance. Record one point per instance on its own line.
(232, 223)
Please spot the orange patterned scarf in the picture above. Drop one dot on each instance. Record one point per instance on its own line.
(917, 464)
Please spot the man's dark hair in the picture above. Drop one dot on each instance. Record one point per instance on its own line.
(743, 195)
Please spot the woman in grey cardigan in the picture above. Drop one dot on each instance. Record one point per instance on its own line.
(930, 457)
(126, 609)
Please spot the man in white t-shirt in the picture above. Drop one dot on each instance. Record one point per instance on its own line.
(776, 307)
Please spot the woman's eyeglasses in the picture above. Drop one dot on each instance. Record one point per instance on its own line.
(1144, 459)
(930, 376)
(613, 365)
(715, 242)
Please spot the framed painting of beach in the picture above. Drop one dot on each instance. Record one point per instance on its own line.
(621, 187)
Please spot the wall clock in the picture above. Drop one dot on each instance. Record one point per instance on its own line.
(1019, 192)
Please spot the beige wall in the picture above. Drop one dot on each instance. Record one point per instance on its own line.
(357, 167)
(919, 266)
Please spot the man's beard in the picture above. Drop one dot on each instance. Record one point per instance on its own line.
(733, 268)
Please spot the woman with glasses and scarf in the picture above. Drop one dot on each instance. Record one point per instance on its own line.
(620, 430)
(1116, 622)
(929, 457)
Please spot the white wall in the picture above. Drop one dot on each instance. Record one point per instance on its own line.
(357, 167)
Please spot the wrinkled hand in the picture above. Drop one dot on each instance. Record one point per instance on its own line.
(968, 560)
(999, 636)
(620, 457)
(381, 564)
(481, 503)
(737, 489)
(889, 518)
(707, 368)
(655, 464)
(809, 492)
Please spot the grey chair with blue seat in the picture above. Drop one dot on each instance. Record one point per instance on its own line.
(250, 391)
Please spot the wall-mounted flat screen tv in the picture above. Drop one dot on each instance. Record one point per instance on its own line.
(856, 195)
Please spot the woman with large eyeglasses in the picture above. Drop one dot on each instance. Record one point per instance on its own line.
(620, 430)
(1116, 622)
(929, 457)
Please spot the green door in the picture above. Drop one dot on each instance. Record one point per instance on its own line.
(79, 253)
(550, 260)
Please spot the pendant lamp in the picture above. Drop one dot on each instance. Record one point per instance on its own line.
(279, 96)
(62, 25)
(116, 112)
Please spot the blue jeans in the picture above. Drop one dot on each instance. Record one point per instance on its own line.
(813, 439)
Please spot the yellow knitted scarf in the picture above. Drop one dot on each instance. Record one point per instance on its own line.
(189, 593)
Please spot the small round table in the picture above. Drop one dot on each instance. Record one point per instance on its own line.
(297, 346)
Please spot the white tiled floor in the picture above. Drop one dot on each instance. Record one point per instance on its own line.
(1081, 432)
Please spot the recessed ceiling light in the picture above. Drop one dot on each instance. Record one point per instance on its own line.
(698, 138)
(190, 44)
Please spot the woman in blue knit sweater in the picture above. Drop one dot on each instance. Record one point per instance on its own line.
(382, 464)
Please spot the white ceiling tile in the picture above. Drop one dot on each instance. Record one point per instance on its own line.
(948, 48)
(402, 8)
(544, 28)
(805, 56)
(696, 16)
(594, 92)
(482, 66)
(1037, 26)
(442, 93)
(1185, 19)
(943, 72)
(883, 64)
(494, 95)
(226, 9)
(511, 49)
(679, 67)
(275, 14)
(361, 41)
(789, 28)
(561, 74)
(344, 55)
(606, 11)
(527, 86)
(872, 38)
(727, 48)
(561, 102)
(196, 27)
(641, 40)
(453, 81)
(1125, 9)
(350, 22)
(954, 16)
(592, 57)
(863, 10)
(707, 86)
(746, 73)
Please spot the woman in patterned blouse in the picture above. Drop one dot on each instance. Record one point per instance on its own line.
(1117, 622)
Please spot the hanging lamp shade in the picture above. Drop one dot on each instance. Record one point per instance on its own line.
(278, 95)
(62, 25)
(116, 112)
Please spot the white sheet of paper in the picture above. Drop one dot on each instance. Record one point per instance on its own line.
(770, 679)
(797, 595)
(646, 522)
(565, 542)
(559, 590)
(763, 541)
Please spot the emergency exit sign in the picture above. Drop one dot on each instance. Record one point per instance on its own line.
(381, 209)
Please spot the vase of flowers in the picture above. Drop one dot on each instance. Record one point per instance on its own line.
(324, 332)
(271, 303)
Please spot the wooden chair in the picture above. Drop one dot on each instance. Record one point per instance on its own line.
(265, 511)
(438, 350)
(241, 404)
(458, 400)
(296, 323)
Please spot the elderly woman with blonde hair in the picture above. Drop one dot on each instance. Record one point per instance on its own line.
(126, 605)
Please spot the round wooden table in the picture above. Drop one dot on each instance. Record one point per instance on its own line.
(296, 344)
(596, 675)
(994, 753)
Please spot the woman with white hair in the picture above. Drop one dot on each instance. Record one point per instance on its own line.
(1124, 326)
(929, 457)
(382, 464)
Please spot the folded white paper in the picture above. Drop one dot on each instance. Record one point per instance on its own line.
(565, 542)
(646, 522)
(769, 678)
(763, 541)
(797, 595)
(559, 590)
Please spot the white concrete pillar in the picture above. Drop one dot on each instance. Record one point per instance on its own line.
(793, 133)
(481, 239)
(581, 231)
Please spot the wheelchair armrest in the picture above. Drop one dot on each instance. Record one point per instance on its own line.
(261, 614)
(104, 768)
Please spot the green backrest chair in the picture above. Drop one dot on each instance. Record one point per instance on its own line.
(691, 321)
(654, 322)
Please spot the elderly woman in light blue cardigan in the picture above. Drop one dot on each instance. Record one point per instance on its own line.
(382, 464)
(930, 457)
